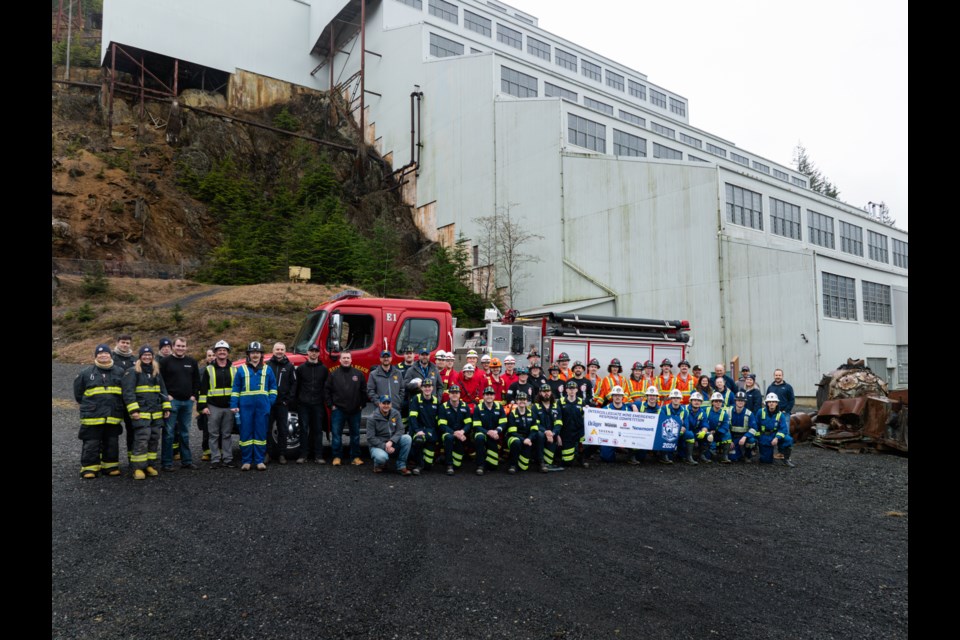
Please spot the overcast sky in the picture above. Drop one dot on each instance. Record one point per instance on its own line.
(765, 75)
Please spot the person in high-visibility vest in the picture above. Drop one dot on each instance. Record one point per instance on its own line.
(771, 429)
(651, 405)
(145, 396)
(685, 382)
(254, 392)
(666, 381)
(717, 424)
(635, 390)
(603, 392)
(213, 403)
(489, 425)
(741, 419)
(675, 410)
(97, 391)
(571, 432)
(695, 416)
(523, 435)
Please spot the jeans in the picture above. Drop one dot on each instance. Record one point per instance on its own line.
(380, 456)
(181, 415)
(337, 419)
(312, 417)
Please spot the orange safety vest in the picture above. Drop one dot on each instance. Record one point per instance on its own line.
(634, 389)
(664, 387)
(686, 387)
(606, 385)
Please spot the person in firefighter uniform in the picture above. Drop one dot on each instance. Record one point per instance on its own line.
(254, 392)
(455, 424)
(423, 418)
(771, 430)
(523, 435)
(548, 415)
(489, 423)
(97, 391)
(146, 400)
(571, 407)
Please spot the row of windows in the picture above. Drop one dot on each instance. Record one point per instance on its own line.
(745, 208)
(840, 299)
(513, 38)
(517, 84)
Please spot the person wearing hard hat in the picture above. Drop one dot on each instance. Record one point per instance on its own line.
(473, 358)
(253, 394)
(666, 381)
(571, 407)
(213, 402)
(695, 417)
(484, 365)
(717, 422)
(145, 396)
(685, 382)
(523, 436)
(617, 403)
(97, 390)
(593, 367)
(651, 404)
(509, 374)
(635, 390)
(202, 419)
(604, 391)
(554, 380)
(536, 377)
(648, 377)
(471, 385)
(423, 422)
(584, 384)
(674, 410)
(740, 421)
(489, 424)
(494, 379)
(448, 375)
(771, 429)
(548, 416)
(563, 361)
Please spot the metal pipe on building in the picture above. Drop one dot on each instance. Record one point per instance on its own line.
(419, 129)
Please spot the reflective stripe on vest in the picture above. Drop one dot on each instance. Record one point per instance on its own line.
(214, 390)
(263, 382)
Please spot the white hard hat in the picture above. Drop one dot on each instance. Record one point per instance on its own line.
(676, 394)
(468, 367)
(696, 396)
(221, 344)
(771, 397)
(485, 358)
(441, 355)
(509, 360)
(472, 353)
(716, 396)
(652, 391)
(617, 391)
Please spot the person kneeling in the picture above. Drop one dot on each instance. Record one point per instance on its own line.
(386, 437)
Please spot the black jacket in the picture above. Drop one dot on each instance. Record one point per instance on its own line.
(181, 375)
(311, 382)
(346, 389)
(286, 375)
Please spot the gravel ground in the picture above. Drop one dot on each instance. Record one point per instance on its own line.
(818, 551)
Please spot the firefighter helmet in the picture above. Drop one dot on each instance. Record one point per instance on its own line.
(563, 356)
(683, 362)
(571, 384)
(666, 363)
(495, 362)
(255, 346)
(636, 365)
(615, 363)
(648, 364)
(578, 363)
(594, 362)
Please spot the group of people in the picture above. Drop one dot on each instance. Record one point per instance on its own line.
(490, 410)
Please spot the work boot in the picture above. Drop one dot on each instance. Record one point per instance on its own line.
(261, 467)
(113, 472)
(449, 470)
(336, 462)
(705, 452)
(282, 459)
(205, 457)
(479, 470)
(786, 457)
(357, 462)
(152, 472)
(665, 458)
(88, 475)
(512, 469)
(724, 453)
(245, 466)
(544, 468)
(138, 474)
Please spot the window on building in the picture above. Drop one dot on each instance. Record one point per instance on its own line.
(851, 239)
(509, 37)
(717, 151)
(614, 80)
(690, 140)
(523, 18)
(553, 91)
(538, 48)
(416, 4)
(626, 116)
(797, 181)
(839, 297)
(781, 175)
(744, 207)
(662, 130)
(899, 253)
(736, 157)
(494, 5)
(877, 247)
(690, 156)
(444, 10)
(517, 84)
(763, 168)
(902, 364)
(637, 90)
(596, 104)
(657, 98)
(784, 219)
(586, 133)
(477, 23)
(441, 47)
(565, 60)
(590, 70)
(660, 151)
(678, 107)
(876, 303)
(820, 229)
(625, 144)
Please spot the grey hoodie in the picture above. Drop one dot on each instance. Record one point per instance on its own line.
(381, 428)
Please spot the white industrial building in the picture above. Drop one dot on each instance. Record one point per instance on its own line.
(641, 214)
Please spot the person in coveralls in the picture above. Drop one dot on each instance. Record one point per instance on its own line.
(254, 392)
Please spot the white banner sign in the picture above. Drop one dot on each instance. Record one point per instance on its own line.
(627, 429)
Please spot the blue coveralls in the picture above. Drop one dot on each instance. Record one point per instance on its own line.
(718, 423)
(740, 423)
(640, 455)
(682, 415)
(608, 453)
(254, 392)
(696, 429)
(767, 427)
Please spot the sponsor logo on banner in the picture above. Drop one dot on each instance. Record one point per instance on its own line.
(630, 430)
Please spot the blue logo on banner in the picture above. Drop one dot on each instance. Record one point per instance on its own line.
(668, 431)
